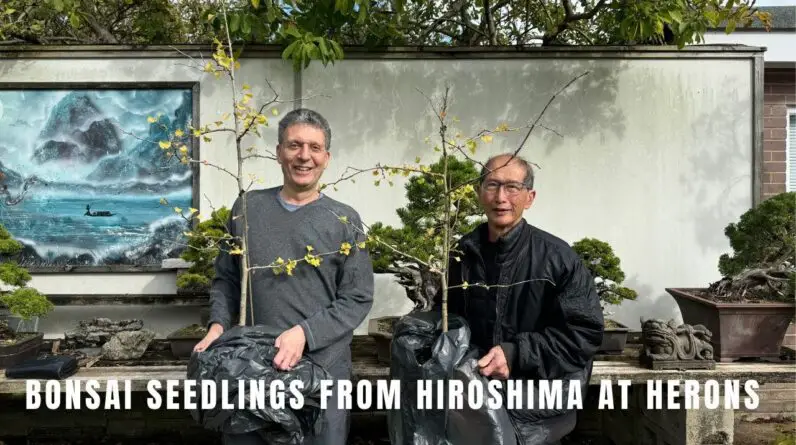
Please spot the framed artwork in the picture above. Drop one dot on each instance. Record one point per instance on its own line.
(84, 182)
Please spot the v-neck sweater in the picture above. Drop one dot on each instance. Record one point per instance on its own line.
(328, 301)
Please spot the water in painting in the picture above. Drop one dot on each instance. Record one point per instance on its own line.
(83, 176)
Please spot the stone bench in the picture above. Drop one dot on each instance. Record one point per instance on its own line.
(634, 425)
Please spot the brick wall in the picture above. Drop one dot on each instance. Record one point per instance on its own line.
(780, 93)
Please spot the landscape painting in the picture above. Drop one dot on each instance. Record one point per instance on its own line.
(83, 180)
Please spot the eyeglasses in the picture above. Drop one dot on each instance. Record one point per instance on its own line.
(511, 188)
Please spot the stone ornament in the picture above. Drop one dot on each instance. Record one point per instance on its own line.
(667, 345)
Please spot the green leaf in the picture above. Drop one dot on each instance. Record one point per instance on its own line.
(730, 26)
(74, 20)
(234, 23)
(58, 5)
(247, 25)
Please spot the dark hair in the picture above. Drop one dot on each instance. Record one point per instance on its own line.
(528, 180)
(305, 116)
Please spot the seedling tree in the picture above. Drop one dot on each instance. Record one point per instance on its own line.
(247, 119)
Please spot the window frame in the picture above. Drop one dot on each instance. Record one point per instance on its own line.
(790, 113)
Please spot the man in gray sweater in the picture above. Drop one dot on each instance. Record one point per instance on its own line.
(315, 308)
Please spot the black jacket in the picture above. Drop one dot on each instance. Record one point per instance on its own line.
(551, 324)
(545, 313)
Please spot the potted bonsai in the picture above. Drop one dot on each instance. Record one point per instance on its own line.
(749, 309)
(603, 264)
(203, 247)
(420, 237)
(19, 336)
(184, 339)
(204, 243)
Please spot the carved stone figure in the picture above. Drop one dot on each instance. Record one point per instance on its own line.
(668, 341)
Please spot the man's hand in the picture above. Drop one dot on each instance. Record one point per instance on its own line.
(494, 364)
(213, 333)
(291, 347)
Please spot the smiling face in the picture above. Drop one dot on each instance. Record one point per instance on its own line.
(303, 156)
(504, 196)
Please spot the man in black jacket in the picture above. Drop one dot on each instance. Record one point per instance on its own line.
(541, 316)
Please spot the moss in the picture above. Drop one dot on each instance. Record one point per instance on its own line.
(190, 331)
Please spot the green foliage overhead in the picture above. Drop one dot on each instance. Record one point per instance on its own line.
(764, 236)
(21, 301)
(317, 29)
(603, 264)
(204, 244)
(420, 234)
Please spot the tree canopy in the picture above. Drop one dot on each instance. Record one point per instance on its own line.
(319, 29)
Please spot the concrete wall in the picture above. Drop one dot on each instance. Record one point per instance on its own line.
(654, 153)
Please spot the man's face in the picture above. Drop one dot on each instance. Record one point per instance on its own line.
(503, 195)
(303, 156)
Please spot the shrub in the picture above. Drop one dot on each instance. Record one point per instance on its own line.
(603, 264)
(424, 214)
(204, 244)
(763, 262)
(22, 301)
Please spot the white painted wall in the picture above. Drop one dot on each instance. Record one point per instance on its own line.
(779, 44)
(654, 155)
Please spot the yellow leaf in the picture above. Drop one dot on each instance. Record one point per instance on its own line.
(151, 120)
(274, 111)
(361, 245)
(343, 219)
(246, 86)
(178, 133)
(192, 210)
(177, 210)
(465, 285)
(165, 145)
(310, 249)
(261, 119)
(183, 149)
(486, 138)
(236, 251)
(164, 201)
(417, 160)
(471, 145)
(197, 133)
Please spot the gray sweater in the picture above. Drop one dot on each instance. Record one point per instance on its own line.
(328, 301)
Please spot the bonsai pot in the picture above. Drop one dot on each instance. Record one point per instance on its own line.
(24, 348)
(614, 338)
(183, 340)
(740, 330)
(381, 330)
(19, 324)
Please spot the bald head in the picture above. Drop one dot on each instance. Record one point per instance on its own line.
(501, 160)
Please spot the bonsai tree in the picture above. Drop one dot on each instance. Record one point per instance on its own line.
(203, 247)
(22, 301)
(603, 264)
(763, 263)
(422, 221)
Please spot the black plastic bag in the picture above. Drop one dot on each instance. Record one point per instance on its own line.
(422, 352)
(246, 353)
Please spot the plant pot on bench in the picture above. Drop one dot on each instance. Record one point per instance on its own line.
(740, 330)
(182, 341)
(25, 347)
(614, 338)
(381, 330)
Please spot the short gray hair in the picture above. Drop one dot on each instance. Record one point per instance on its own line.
(305, 116)
(528, 180)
